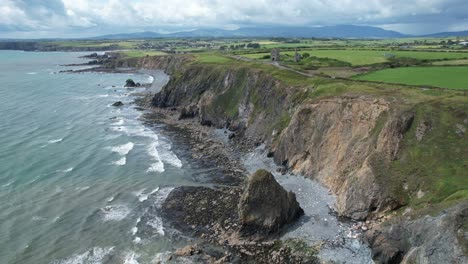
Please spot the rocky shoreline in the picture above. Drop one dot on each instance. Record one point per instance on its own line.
(211, 214)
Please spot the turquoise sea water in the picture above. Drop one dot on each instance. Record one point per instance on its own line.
(76, 174)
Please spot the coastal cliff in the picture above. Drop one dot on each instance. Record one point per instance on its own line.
(383, 150)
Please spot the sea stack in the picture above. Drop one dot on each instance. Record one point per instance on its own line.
(265, 206)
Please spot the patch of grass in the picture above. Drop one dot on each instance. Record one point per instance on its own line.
(445, 77)
(212, 58)
(432, 169)
(368, 57)
(141, 53)
(451, 62)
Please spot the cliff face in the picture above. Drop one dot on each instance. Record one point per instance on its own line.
(333, 140)
(330, 140)
(166, 63)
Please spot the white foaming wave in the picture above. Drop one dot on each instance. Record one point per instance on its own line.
(134, 230)
(157, 224)
(162, 196)
(7, 184)
(119, 122)
(102, 95)
(66, 170)
(31, 73)
(150, 79)
(137, 240)
(52, 141)
(143, 197)
(110, 199)
(115, 213)
(158, 166)
(84, 188)
(92, 256)
(120, 162)
(171, 158)
(131, 258)
(38, 218)
(123, 149)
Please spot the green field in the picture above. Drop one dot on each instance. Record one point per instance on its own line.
(366, 57)
(445, 77)
(141, 53)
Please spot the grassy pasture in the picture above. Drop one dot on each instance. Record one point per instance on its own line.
(367, 57)
(455, 77)
(141, 53)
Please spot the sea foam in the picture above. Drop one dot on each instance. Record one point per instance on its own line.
(115, 212)
(123, 149)
(94, 255)
(52, 141)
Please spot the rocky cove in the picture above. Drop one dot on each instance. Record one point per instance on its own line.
(361, 145)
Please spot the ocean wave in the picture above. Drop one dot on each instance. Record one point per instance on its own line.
(93, 256)
(162, 196)
(123, 149)
(150, 79)
(52, 141)
(81, 189)
(143, 197)
(131, 258)
(158, 166)
(115, 212)
(38, 218)
(122, 161)
(31, 73)
(66, 170)
(171, 158)
(110, 199)
(157, 224)
(7, 184)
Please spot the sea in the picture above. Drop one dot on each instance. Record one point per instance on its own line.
(80, 178)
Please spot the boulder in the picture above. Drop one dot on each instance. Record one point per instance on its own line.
(118, 103)
(130, 83)
(265, 206)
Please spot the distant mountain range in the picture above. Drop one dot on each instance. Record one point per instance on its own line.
(343, 31)
(448, 34)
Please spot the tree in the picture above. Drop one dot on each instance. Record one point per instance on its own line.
(305, 55)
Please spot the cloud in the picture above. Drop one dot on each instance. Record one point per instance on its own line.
(81, 17)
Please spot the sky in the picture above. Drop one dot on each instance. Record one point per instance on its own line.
(85, 18)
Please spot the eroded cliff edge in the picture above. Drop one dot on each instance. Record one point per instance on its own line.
(392, 155)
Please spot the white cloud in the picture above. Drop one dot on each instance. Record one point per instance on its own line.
(124, 15)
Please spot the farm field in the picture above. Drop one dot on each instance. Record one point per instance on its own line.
(367, 57)
(455, 77)
(141, 53)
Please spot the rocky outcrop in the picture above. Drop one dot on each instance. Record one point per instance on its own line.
(428, 239)
(118, 103)
(265, 206)
(169, 64)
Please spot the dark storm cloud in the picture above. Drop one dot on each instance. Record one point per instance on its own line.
(92, 17)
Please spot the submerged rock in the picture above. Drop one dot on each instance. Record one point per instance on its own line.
(118, 103)
(265, 206)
